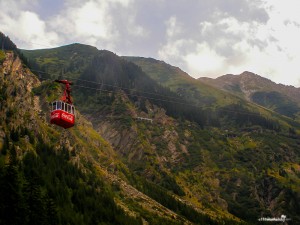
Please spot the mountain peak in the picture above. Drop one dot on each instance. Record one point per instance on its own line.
(243, 75)
(250, 75)
(263, 91)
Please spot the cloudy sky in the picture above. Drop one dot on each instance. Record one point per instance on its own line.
(206, 38)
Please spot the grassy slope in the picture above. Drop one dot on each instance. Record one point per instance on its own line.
(145, 142)
(80, 149)
(220, 165)
(56, 61)
(201, 93)
(179, 81)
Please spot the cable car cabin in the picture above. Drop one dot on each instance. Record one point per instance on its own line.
(62, 114)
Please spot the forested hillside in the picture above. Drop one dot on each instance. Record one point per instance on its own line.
(54, 176)
(151, 145)
(45, 177)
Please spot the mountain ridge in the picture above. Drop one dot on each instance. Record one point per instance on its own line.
(260, 90)
(98, 155)
(257, 80)
(221, 169)
(83, 151)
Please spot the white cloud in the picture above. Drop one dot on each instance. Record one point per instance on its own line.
(204, 61)
(169, 50)
(36, 32)
(173, 28)
(205, 27)
(280, 59)
(25, 26)
(229, 45)
(91, 20)
(132, 28)
(234, 27)
(104, 24)
(201, 61)
(122, 2)
(277, 59)
(88, 21)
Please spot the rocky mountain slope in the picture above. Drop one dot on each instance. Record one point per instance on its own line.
(80, 161)
(278, 97)
(55, 176)
(236, 161)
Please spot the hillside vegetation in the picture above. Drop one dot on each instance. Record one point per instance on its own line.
(55, 176)
(277, 97)
(208, 157)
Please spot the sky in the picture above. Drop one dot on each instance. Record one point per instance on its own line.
(205, 38)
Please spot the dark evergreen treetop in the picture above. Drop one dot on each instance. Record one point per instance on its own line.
(6, 43)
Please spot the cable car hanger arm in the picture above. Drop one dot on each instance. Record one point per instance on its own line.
(67, 92)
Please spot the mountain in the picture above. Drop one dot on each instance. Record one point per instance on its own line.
(205, 95)
(278, 97)
(54, 176)
(168, 149)
(181, 83)
(49, 175)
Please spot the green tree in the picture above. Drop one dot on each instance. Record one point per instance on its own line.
(12, 206)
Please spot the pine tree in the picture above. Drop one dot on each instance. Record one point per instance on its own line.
(34, 201)
(12, 207)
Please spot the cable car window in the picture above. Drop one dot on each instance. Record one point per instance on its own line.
(53, 106)
(69, 109)
(58, 105)
(63, 106)
(72, 110)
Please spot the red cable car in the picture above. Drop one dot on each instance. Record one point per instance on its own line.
(63, 111)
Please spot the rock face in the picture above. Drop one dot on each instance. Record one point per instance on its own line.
(130, 142)
(278, 97)
(17, 104)
(247, 83)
